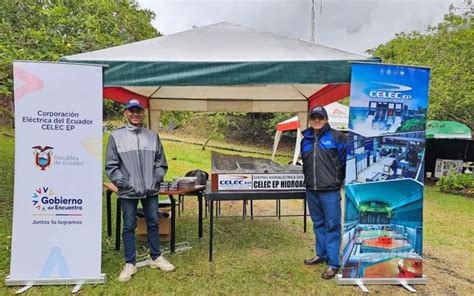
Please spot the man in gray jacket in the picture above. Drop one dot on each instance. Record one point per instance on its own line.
(136, 164)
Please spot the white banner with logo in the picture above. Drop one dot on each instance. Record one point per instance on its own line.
(245, 182)
(57, 212)
(383, 221)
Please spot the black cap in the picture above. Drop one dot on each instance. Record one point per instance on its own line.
(319, 110)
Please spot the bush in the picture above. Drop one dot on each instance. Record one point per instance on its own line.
(260, 127)
(112, 110)
(6, 117)
(174, 119)
(461, 183)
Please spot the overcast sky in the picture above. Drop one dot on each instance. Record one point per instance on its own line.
(351, 25)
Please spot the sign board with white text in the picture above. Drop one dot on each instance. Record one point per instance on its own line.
(251, 182)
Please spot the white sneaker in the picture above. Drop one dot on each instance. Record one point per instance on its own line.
(162, 264)
(127, 272)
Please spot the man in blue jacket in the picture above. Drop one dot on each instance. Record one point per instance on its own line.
(136, 164)
(323, 151)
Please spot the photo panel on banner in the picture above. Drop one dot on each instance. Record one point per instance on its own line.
(383, 221)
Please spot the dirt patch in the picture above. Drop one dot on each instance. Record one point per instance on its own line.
(257, 252)
(448, 271)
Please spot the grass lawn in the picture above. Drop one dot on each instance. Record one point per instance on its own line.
(263, 256)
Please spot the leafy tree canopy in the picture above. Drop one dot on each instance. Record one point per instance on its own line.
(49, 29)
(448, 50)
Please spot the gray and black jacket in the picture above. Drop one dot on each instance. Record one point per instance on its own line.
(324, 159)
(135, 162)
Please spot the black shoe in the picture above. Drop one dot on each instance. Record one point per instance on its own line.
(329, 273)
(313, 261)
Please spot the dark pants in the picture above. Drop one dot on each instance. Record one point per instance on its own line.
(325, 212)
(150, 209)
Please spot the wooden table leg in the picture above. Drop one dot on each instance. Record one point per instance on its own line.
(173, 224)
(251, 209)
(279, 209)
(211, 228)
(199, 195)
(118, 222)
(108, 194)
(304, 215)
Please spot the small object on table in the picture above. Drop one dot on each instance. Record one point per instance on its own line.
(185, 182)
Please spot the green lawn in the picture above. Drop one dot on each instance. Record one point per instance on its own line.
(263, 256)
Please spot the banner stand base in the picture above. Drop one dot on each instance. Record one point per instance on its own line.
(24, 289)
(361, 282)
(28, 283)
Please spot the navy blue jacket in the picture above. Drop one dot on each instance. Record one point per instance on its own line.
(324, 159)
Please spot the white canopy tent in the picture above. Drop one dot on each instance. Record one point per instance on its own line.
(338, 119)
(222, 67)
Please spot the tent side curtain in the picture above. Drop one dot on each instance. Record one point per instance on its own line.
(288, 125)
(122, 95)
(329, 94)
(120, 73)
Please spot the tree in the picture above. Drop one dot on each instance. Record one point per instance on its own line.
(46, 30)
(447, 49)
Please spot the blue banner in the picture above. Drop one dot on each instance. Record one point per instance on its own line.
(383, 218)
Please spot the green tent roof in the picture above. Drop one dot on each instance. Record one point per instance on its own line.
(221, 54)
(436, 129)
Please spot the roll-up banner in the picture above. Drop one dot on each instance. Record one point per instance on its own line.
(57, 212)
(383, 219)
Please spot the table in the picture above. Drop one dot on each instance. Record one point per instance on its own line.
(111, 188)
(247, 195)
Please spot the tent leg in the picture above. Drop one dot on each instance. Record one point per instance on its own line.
(154, 119)
(303, 119)
(297, 146)
(275, 143)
